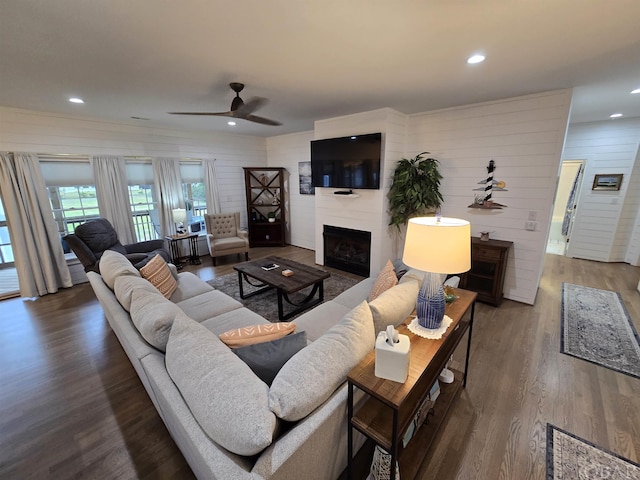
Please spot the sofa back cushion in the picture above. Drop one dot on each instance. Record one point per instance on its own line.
(230, 403)
(126, 284)
(393, 306)
(113, 265)
(311, 376)
(153, 316)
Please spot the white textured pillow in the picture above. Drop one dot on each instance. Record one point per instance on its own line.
(395, 305)
(112, 265)
(310, 377)
(126, 284)
(228, 400)
(153, 316)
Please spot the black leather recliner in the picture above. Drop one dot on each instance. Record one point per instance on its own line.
(93, 237)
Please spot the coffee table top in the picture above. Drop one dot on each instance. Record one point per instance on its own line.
(303, 275)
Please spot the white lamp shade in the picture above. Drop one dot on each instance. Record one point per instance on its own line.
(438, 245)
(179, 215)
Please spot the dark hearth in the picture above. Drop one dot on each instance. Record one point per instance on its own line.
(347, 249)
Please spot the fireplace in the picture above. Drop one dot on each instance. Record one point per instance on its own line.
(347, 249)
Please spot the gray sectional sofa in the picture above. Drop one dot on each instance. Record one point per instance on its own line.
(227, 422)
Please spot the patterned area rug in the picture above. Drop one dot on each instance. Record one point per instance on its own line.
(596, 327)
(570, 457)
(266, 304)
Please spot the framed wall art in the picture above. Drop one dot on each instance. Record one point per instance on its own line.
(607, 182)
(304, 172)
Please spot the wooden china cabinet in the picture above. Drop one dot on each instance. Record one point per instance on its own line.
(266, 212)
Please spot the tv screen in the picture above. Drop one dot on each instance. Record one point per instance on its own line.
(347, 162)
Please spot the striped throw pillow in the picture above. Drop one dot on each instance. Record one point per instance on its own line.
(241, 337)
(386, 279)
(158, 273)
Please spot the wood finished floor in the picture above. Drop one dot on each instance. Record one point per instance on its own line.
(71, 405)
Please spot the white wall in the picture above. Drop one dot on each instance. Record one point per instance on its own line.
(287, 151)
(605, 221)
(524, 136)
(39, 132)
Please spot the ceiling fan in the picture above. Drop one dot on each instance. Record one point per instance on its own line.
(239, 109)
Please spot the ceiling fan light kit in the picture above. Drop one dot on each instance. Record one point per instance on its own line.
(239, 109)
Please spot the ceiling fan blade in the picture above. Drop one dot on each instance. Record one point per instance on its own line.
(250, 106)
(224, 114)
(262, 120)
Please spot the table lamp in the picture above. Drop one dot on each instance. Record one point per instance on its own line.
(436, 245)
(179, 218)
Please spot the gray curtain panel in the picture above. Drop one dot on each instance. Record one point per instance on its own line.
(168, 189)
(35, 240)
(110, 176)
(211, 186)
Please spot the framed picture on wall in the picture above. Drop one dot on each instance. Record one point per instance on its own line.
(304, 172)
(607, 182)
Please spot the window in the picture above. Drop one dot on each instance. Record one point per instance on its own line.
(195, 198)
(73, 205)
(143, 208)
(6, 253)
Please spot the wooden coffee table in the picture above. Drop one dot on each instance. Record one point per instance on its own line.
(303, 276)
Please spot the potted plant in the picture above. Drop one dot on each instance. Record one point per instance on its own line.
(415, 189)
(271, 217)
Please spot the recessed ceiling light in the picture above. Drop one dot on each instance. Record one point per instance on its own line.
(76, 100)
(477, 58)
(231, 123)
(615, 115)
(637, 90)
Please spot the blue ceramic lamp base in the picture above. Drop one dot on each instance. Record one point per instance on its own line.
(431, 301)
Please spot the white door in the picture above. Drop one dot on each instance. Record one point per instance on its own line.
(565, 206)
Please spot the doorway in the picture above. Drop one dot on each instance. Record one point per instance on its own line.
(565, 206)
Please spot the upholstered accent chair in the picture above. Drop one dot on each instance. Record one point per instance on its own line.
(92, 238)
(225, 236)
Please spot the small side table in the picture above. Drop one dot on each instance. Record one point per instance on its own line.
(174, 248)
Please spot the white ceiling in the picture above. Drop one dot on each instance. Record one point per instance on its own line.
(313, 59)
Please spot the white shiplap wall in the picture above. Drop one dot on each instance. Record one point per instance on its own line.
(605, 221)
(40, 132)
(524, 136)
(368, 211)
(287, 151)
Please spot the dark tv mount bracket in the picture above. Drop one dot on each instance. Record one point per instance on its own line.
(343, 192)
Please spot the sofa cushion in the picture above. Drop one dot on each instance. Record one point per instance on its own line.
(158, 273)
(242, 317)
(126, 284)
(267, 358)
(352, 297)
(228, 400)
(189, 285)
(311, 376)
(384, 281)
(263, 332)
(208, 304)
(113, 265)
(321, 318)
(394, 305)
(153, 316)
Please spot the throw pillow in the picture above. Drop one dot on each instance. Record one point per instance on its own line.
(112, 265)
(311, 376)
(229, 402)
(127, 284)
(267, 358)
(158, 273)
(394, 305)
(385, 280)
(241, 337)
(153, 316)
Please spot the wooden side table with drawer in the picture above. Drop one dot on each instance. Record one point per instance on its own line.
(488, 267)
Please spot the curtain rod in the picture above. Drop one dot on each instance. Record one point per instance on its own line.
(81, 157)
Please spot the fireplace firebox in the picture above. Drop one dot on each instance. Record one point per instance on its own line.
(348, 250)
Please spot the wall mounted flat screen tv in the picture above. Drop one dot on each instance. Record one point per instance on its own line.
(347, 162)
